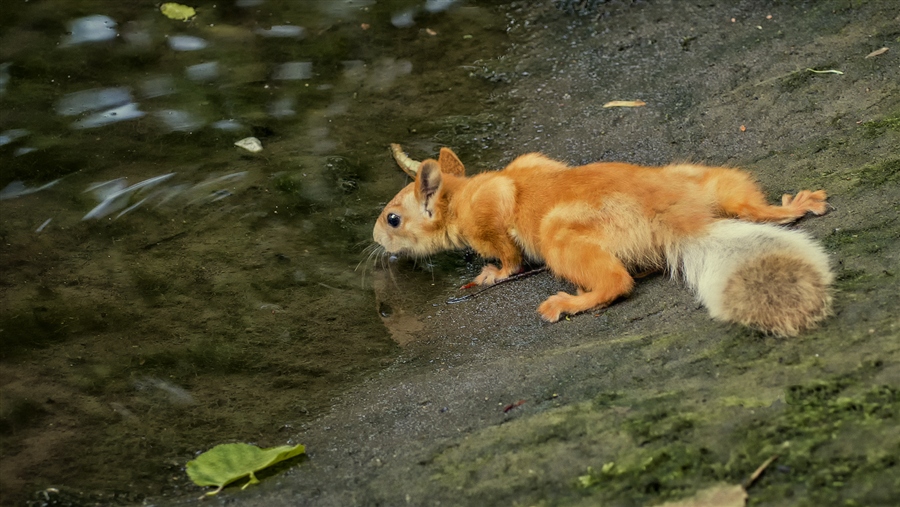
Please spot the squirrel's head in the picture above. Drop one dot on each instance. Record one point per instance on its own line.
(414, 222)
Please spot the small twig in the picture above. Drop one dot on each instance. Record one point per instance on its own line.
(158, 242)
(467, 297)
(766, 81)
(759, 471)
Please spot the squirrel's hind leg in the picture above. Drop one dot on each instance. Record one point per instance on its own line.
(739, 196)
(581, 261)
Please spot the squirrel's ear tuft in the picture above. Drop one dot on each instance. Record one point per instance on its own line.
(450, 163)
(428, 183)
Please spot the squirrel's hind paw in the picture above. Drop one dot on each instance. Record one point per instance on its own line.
(562, 303)
(553, 307)
(806, 201)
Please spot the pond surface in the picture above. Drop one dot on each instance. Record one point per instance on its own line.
(164, 290)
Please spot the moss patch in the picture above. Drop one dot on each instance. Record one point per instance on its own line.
(881, 173)
(836, 438)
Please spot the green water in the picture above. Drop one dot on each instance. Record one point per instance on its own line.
(222, 304)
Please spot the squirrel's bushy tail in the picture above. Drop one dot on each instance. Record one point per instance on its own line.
(763, 276)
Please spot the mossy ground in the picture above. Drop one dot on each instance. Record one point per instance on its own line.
(836, 440)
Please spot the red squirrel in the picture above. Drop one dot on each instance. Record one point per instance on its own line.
(594, 225)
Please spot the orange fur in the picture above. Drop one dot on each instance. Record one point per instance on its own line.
(592, 225)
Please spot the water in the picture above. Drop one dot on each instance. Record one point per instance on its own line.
(164, 290)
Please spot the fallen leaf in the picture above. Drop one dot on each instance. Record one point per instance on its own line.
(829, 71)
(180, 12)
(250, 144)
(877, 52)
(625, 103)
(723, 495)
(513, 405)
(226, 463)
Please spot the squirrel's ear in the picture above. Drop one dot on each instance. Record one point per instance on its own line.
(450, 163)
(428, 183)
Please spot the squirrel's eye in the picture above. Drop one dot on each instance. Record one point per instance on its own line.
(393, 220)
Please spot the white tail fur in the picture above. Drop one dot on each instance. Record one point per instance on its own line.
(759, 275)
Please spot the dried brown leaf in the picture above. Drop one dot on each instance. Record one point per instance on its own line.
(877, 52)
(722, 495)
(625, 103)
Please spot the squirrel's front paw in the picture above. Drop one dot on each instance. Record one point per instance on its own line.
(489, 275)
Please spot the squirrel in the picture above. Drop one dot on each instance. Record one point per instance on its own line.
(596, 224)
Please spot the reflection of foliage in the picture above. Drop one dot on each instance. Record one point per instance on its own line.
(17, 413)
(53, 320)
(62, 497)
(345, 175)
(288, 183)
(199, 355)
(496, 71)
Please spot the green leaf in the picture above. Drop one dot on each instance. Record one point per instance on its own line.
(226, 463)
(172, 10)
